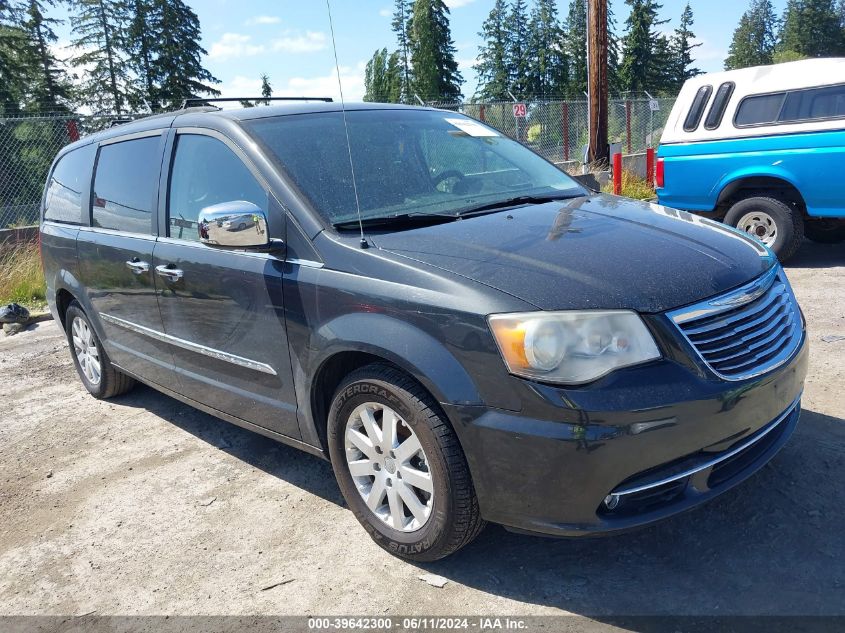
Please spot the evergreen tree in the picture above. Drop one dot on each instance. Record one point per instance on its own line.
(754, 40)
(14, 61)
(681, 49)
(548, 69)
(375, 77)
(394, 77)
(614, 54)
(49, 86)
(432, 52)
(400, 25)
(492, 67)
(645, 52)
(575, 45)
(99, 25)
(811, 28)
(266, 89)
(142, 39)
(177, 65)
(517, 52)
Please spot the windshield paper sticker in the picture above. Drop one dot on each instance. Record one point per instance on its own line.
(472, 128)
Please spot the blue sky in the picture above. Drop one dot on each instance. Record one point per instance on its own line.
(290, 40)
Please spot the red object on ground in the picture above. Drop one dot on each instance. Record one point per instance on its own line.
(617, 174)
(649, 165)
(481, 112)
(72, 131)
(660, 175)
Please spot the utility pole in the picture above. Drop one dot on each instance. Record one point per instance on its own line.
(598, 151)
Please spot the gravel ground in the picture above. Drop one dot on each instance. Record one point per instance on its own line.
(142, 505)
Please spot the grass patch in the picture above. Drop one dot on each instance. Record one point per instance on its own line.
(21, 276)
(633, 187)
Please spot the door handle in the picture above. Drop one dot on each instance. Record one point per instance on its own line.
(137, 266)
(169, 273)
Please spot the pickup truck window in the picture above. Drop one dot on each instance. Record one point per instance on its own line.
(759, 109)
(125, 185)
(696, 110)
(814, 104)
(206, 172)
(720, 104)
(71, 176)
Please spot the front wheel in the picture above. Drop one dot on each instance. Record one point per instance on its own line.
(825, 231)
(400, 467)
(774, 222)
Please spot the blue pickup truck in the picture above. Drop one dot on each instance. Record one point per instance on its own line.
(761, 149)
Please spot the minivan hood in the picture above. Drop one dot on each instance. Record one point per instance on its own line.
(597, 252)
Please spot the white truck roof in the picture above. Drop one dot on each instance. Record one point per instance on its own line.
(758, 80)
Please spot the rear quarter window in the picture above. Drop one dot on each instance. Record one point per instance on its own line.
(720, 104)
(70, 178)
(126, 185)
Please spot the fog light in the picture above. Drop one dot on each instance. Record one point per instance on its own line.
(611, 501)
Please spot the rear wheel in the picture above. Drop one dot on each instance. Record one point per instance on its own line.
(400, 467)
(825, 231)
(775, 223)
(92, 363)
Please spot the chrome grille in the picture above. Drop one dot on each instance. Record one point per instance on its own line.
(746, 332)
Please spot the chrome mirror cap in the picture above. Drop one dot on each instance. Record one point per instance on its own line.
(236, 224)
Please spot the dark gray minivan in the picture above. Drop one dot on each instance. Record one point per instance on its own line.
(467, 333)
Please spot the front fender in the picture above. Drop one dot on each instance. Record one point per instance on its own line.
(404, 345)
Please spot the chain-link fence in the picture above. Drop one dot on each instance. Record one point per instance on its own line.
(28, 145)
(558, 129)
(555, 129)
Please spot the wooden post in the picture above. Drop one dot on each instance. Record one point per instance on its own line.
(597, 79)
(481, 112)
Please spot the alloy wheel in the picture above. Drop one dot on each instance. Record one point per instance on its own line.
(389, 467)
(86, 350)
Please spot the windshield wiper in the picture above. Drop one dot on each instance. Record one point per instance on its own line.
(514, 202)
(415, 218)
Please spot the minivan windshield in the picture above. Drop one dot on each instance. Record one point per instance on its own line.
(407, 163)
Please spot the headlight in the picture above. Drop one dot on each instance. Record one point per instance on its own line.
(571, 347)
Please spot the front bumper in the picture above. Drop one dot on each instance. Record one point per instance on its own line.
(662, 439)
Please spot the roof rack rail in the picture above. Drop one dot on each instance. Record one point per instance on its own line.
(120, 121)
(200, 100)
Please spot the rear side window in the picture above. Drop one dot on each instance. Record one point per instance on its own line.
(720, 104)
(126, 184)
(815, 104)
(206, 172)
(70, 178)
(696, 110)
(760, 109)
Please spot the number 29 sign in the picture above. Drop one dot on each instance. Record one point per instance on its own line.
(519, 110)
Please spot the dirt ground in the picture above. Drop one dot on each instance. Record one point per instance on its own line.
(142, 505)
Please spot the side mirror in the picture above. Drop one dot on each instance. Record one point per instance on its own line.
(236, 224)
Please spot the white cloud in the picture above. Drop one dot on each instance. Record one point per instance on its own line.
(456, 4)
(386, 12)
(232, 45)
(319, 86)
(707, 52)
(263, 19)
(310, 42)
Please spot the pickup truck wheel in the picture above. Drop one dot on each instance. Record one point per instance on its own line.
(825, 231)
(400, 467)
(774, 222)
(92, 363)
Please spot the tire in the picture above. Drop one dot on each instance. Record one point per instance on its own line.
(825, 231)
(107, 382)
(760, 212)
(453, 518)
